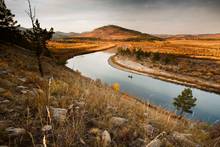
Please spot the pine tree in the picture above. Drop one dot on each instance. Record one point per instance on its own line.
(8, 26)
(185, 101)
(6, 17)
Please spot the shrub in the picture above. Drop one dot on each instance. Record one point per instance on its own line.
(185, 101)
(116, 87)
(156, 56)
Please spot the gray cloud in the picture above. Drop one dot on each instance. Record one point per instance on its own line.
(151, 16)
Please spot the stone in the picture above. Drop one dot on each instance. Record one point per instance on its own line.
(59, 114)
(2, 90)
(21, 88)
(22, 79)
(5, 83)
(149, 129)
(46, 128)
(82, 141)
(80, 104)
(139, 142)
(106, 138)
(15, 131)
(154, 143)
(4, 102)
(117, 121)
(4, 124)
(182, 138)
(3, 72)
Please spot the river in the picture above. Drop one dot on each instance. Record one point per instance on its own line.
(158, 92)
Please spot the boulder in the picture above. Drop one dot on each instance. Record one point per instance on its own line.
(117, 121)
(15, 131)
(59, 114)
(22, 79)
(3, 72)
(106, 138)
(155, 143)
(4, 102)
(5, 83)
(2, 90)
(46, 128)
(182, 138)
(150, 130)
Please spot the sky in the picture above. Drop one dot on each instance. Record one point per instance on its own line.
(148, 16)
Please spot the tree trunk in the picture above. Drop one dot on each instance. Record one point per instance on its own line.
(40, 66)
(181, 112)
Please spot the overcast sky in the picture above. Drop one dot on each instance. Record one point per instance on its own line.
(149, 16)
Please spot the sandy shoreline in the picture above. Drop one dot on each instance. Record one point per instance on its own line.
(131, 66)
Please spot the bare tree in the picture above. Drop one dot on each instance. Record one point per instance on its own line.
(38, 36)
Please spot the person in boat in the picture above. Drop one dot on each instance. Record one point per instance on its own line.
(130, 76)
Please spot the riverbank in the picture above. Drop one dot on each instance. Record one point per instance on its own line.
(65, 108)
(126, 64)
(63, 51)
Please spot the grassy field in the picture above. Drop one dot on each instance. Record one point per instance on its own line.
(64, 49)
(196, 48)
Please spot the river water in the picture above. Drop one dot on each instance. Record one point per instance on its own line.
(158, 92)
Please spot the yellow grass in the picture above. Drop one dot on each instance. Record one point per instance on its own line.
(204, 48)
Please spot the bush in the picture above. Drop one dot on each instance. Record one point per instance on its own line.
(116, 87)
(156, 56)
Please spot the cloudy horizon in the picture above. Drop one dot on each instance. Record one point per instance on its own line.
(149, 16)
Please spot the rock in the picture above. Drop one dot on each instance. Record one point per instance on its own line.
(139, 142)
(39, 145)
(59, 114)
(2, 90)
(117, 121)
(4, 102)
(46, 128)
(15, 131)
(24, 91)
(21, 88)
(82, 141)
(3, 72)
(181, 138)
(4, 124)
(22, 79)
(5, 83)
(80, 104)
(149, 129)
(155, 143)
(106, 138)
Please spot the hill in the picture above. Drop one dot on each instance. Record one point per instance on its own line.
(113, 32)
(190, 36)
(58, 35)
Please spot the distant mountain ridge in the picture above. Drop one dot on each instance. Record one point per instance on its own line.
(189, 36)
(58, 35)
(114, 32)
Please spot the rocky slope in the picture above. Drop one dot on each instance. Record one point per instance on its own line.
(66, 109)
